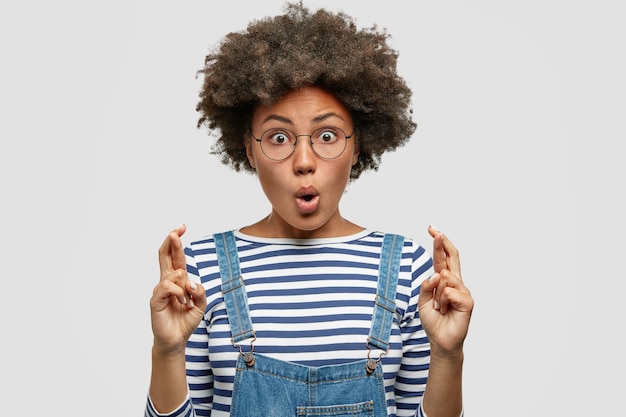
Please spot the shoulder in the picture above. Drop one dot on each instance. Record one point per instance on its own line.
(411, 247)
(416, 260)
(206, 242)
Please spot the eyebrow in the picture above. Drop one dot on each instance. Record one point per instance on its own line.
(319, 118)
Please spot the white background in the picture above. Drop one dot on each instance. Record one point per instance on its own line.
(518, 157)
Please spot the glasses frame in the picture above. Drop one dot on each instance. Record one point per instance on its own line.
(295, 143)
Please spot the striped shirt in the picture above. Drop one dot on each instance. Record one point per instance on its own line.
(311, 302)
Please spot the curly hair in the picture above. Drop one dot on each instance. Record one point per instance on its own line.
(279, 54)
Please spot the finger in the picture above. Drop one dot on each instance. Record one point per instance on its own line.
(163, 293)
(446, 252)
(456, 299)
(197, 294)
(448, 281)
(430, 284)
(439, 254)
(177, 251)
(428, 288)
(166, 261)
(444, 300)
(452, 256)
(433, 231)
(442, 284)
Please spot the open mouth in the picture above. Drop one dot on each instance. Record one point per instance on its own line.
(307, 193)
(307, 199)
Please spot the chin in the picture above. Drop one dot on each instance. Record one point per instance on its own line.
(308, 223)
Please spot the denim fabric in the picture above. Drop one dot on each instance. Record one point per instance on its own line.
(269, 387)
(232, 287)
(385, 305)
(272, 387)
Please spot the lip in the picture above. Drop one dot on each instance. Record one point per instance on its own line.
(307, 199)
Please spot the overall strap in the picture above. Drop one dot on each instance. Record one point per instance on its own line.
(233, 288)
(385, 305)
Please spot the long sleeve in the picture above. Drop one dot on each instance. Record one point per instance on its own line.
(198, 369)
(413, 373)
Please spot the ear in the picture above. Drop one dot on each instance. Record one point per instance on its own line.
(355, 153)
(250, 152)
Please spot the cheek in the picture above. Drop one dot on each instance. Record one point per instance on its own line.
(269, 179)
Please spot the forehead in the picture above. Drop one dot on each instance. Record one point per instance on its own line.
(306, 105)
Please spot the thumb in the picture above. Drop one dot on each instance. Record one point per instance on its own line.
(197, 293)
(428, 285)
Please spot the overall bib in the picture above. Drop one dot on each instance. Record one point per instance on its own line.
(268, 387)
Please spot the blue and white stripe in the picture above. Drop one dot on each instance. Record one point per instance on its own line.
(311, 302)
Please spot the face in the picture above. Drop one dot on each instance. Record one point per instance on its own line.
(303, 189)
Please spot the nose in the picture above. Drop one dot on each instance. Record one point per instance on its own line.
(304, 159)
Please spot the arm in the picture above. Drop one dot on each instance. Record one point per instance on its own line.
(413, 373)
(177, 306)
(445, 307)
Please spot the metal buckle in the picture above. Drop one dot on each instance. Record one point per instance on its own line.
(248, 357)
(371, 364)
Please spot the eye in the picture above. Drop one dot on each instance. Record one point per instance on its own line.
(277, 138)
(326, 136)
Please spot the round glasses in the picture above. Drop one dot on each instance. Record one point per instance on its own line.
(327, 142)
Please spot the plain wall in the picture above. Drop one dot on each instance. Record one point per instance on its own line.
(518, 158)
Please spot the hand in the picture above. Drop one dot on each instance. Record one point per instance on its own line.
(445, 303)
(177, 304)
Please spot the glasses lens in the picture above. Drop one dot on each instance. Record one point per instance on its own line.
(278, 143)
(328, 142)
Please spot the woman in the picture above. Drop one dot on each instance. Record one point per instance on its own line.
(304, 312)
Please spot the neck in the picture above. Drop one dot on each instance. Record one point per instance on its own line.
(273, 226)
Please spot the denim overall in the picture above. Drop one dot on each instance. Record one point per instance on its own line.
(268, 387)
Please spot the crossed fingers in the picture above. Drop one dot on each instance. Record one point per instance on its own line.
(172, 264)
(445, 254)
(447, 265)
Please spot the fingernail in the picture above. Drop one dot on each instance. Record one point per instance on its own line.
(432, 277)
(436, 304)
(193, 285)
(191, 303)
(184, 300)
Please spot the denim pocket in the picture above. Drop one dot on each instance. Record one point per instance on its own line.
(364, 409)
